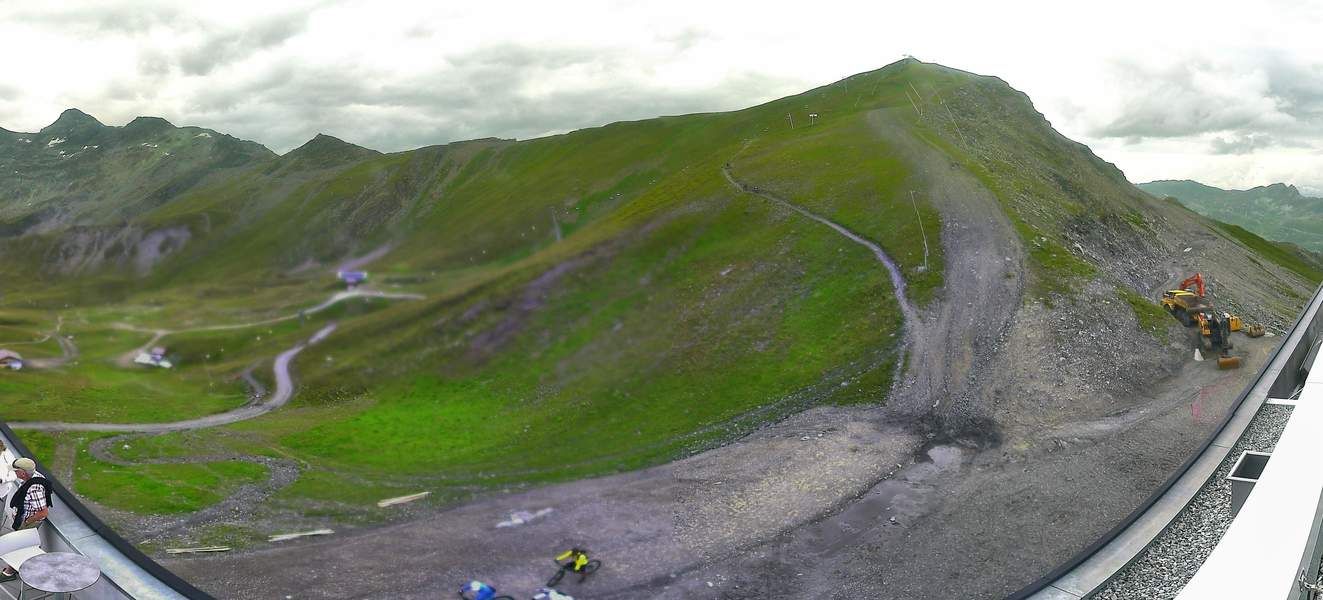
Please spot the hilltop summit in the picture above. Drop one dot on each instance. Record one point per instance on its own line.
(324, 151)
(72, 118)
(147, 126)
(73, 127)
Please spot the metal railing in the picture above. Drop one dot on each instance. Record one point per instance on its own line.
(1283, 376)
(1271, 547)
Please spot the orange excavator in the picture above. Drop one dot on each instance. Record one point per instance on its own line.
(1188, 301)
(1191, 307)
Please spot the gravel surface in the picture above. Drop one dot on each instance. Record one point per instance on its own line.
(1178, 552)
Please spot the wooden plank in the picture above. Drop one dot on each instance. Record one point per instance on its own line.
(289, 536)
(198, 549)
(402, 499)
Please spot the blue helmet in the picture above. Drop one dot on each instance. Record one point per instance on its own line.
(477, 590)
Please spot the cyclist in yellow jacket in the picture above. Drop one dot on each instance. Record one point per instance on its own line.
(577, 558)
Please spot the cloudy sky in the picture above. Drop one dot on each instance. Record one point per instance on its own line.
(1226, 93)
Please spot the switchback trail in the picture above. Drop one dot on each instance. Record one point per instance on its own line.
(126, 360)
(67, 349)
(280, 473)
(897, 280)
(284, 390)
(912, 324)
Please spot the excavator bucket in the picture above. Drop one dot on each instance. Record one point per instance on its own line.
(1228, 362)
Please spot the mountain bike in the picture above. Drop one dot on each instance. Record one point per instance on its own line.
(588, 568)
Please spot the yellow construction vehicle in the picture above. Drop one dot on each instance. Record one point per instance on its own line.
(1215, 334)
(1233, 323)
(1190, 306)
(1184, 303)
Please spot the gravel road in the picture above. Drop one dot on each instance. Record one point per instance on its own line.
(284, 390)
(126, 360)
(68, 351)
(897, 280)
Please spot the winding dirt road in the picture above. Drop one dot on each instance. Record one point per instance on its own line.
(898, 284)
(280, 472)
(284, 391)
(126, 360)
(256, 407)
(912, 324)
(68, 351)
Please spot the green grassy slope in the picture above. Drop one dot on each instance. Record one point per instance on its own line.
(672, 314)
(1288, 256)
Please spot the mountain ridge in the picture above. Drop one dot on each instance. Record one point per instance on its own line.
(1277, 211)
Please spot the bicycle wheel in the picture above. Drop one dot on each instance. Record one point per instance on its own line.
(555, 579)
(592, 565)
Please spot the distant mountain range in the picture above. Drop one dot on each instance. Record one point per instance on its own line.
(1276, 212)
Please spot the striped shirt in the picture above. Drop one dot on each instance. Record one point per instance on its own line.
(35, 499)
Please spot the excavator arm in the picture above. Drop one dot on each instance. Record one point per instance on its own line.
(1196, 280)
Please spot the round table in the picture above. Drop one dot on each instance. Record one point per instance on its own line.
(59, 572)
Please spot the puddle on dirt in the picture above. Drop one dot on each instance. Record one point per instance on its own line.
(906, 495)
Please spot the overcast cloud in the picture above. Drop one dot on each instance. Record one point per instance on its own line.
(1227, 93)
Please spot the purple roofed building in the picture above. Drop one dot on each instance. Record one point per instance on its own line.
(352, 278)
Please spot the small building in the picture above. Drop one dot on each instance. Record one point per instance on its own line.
(10, 360)
(154, 357)
(352, 278)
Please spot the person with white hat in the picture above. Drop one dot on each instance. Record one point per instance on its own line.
(31, 502)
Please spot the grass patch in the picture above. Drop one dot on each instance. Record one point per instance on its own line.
(98, 392)
(845, 172)
(1057, 270)
(1151, 316)
(39, 443)
(162, 488)
(1274, 252)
